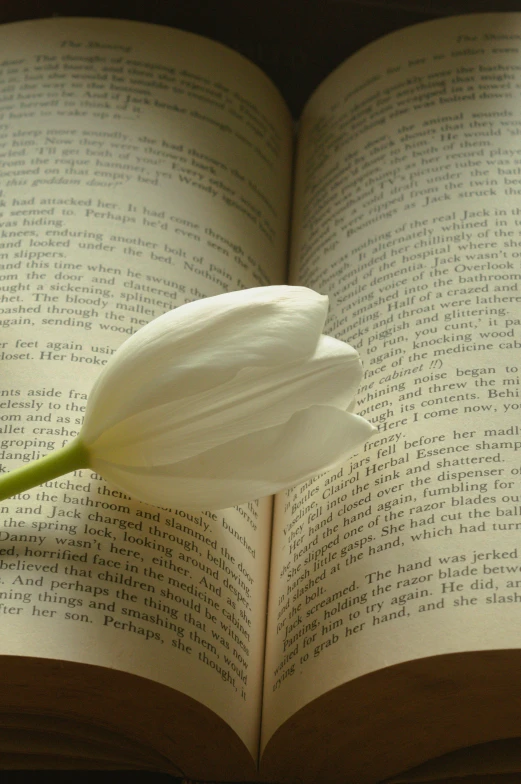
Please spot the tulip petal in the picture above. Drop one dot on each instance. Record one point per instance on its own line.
(314, 440)
(201, 346)
(253, 401)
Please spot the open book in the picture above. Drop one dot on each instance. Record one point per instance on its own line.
(366, 621)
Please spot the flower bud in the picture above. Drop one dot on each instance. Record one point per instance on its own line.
(225, 400)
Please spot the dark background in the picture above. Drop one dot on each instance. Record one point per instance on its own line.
(297, 43)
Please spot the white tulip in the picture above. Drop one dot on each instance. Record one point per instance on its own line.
(224, 400)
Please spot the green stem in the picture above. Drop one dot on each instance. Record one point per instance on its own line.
(69, 458)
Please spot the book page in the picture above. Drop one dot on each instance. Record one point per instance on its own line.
(407, 214)
(142, 168)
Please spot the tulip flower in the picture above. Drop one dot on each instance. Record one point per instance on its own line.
(216, 403)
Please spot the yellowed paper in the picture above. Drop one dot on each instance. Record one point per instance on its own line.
(142, 168)
(407, 215)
